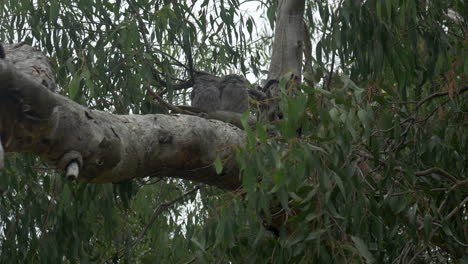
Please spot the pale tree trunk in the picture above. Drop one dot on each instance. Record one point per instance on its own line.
(100, 147)
(289, 40)
(288, 45)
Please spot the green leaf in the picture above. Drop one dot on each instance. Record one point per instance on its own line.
(218, 165)
(198, 244)
(54, 11)
(74, 86)
(280, 177)
(379, 10)
(271, 14)
(465, 71)
(340, 184)
(388, 7)
(427, 225)
(363, 249)
(295, 238)
(318, 52)
(250, 26)
(220, 232)
(315, 235)
(364, 117)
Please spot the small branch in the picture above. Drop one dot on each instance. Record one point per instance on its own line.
(459, 184)
(435, 170)
(332, 68)
(326, 86)
(161, 208)
(457, 208)
(412, 120)
(166, 104)
(225, 116)
(180, 86)
(412, 117)
(176, 62)
(416, 255)
(257, 94)
(196, 257)
(40, 168)
(438, 94)
(148, 47)
(230, 117)
(149, 182)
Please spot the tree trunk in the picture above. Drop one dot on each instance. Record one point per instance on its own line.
(286, 59)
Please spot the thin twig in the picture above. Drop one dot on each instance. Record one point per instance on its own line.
(416, 255)
(259, 95)
(332, 69)
(173, 108)
(196, 257)
(457, 208)
(179, 86)
(412, 117)
(436, 170)
(438, 94)
(162, 207)
(149, 182)
(432, 112)
(458, 184)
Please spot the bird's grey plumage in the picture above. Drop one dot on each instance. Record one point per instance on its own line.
(234, 94)
(205, 93)
(210, 93)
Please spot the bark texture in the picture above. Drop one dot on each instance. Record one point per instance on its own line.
(288, 44)
(289, 40)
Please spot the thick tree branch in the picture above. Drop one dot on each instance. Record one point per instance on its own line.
(112, 148)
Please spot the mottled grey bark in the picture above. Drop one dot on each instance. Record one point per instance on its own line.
(288, 44)
(289, 40)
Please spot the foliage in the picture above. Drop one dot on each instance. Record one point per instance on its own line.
(342, 178)
(347, 190)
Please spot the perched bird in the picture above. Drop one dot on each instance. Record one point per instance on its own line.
(205, 93)
(234, 94)
(210, 93)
